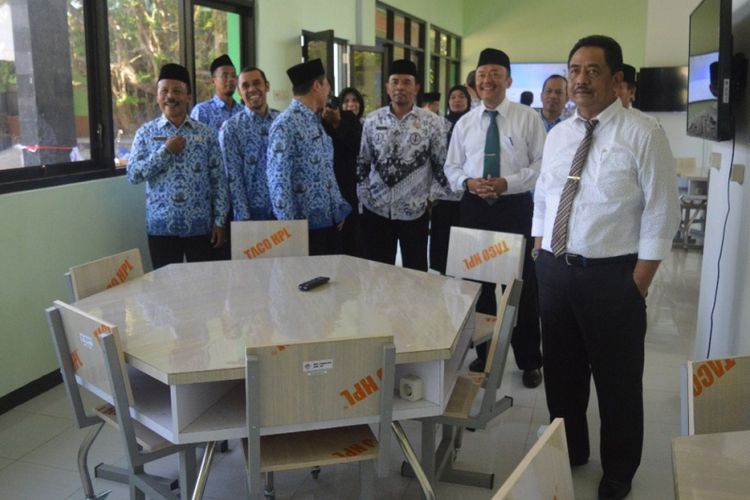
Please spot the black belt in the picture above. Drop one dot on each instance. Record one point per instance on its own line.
(572, 259)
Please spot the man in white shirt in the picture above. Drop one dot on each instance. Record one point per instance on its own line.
(605, 212)
(497, 171)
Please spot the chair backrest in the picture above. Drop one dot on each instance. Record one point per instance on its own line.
(488, 256)
(322, 381)
(269, 238)
(77, 336)
(98, 275)
(544, 472)
(718, 392)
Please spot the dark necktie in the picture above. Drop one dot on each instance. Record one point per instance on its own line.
(560, 228)
(492, 151)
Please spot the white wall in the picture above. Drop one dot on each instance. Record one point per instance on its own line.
(729, 335)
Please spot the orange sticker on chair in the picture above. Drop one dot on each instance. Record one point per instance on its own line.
(491, 252)
(709, 372)
(99, 331)
(122, 274)
(75, 359)
(362, 389)
(279, 348)
(266, 244)
(356, 448)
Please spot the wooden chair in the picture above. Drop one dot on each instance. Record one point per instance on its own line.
(458, 415)
(489, 256)
(335, 387)
(544, 473)
(717, 393)
(269, 238)
(98, 275)
(89, 354)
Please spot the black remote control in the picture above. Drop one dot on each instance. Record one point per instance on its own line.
(314, 283)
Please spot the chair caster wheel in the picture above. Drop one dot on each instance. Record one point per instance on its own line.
(315, 471)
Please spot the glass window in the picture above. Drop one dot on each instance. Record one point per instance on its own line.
(416, 34)
(404, 33)
(216, 32)
(50, 124)
(137, 50)
(399, 29)
(381, 23)
(445, 61)
(367, 76)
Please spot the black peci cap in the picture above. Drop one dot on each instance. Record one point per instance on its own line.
(431, 97)
(172, 71)
(494, 56)
(222, 60)
(403, 67)
(305, 72)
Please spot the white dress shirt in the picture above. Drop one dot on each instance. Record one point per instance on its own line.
(521, 144)
(627, 202)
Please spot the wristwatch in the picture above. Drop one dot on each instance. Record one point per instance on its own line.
(534, 254)
(466, 184)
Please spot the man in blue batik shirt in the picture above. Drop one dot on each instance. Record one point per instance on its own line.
(186, 189)
(222, 106)
(244, 141)
(301, 180)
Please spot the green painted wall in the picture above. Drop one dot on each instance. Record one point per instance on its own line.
(44, 232)
(545, 30)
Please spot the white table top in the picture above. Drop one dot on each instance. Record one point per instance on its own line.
(188, 323)
(712, 466)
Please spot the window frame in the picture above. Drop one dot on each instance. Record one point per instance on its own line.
(389, 43)
(101, 122)
(442, 83)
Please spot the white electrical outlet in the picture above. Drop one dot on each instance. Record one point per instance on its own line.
(714, 160)
(738, 173)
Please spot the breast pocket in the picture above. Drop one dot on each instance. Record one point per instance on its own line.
(617, 174)
(515, 150)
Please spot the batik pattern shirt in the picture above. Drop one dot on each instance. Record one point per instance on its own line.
(244, 140)
(299, 161)
(399, 161)
(214, 112)
(186, 193)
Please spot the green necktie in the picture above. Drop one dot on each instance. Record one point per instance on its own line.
(492, 151)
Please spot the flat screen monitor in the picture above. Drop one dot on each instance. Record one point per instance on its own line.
(710, 71)
(531, 77)
(662, 89)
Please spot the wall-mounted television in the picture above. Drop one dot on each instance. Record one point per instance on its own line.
(531, 76)
(709, 115)
(662, 89)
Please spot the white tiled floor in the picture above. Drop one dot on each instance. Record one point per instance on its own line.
(39, 443)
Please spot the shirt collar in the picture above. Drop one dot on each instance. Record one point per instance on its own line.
(410, 112)
(606, 114)
(164, 121)
(501, 108)
(216, 100)
(297, 105)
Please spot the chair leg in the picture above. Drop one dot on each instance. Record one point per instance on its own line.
(366, 479)
(270, 491)
(83, 467)
(136, 493)
(187, 471)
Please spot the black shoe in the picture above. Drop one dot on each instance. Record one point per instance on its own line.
(477, 366)
(532, 378)
(611, 489)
